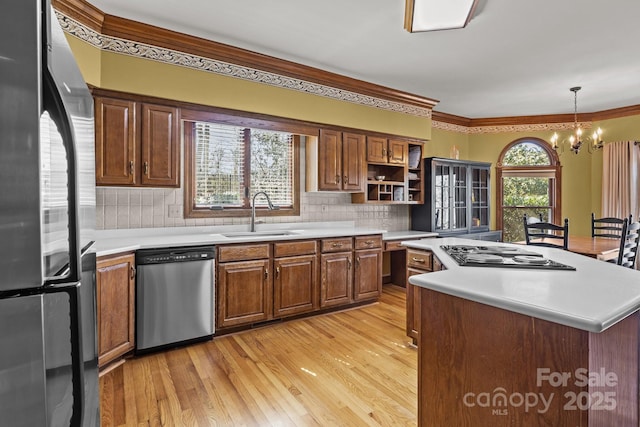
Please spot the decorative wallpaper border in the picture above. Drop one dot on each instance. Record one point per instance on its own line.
(508, 128)
(169, 56)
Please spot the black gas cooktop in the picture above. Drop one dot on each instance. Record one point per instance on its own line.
(501, 257)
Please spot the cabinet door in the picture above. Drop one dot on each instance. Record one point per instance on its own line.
(244, 293)
(116, 162)
(330, 160)
(336, 279)
(398, 152)
(354, 167)
(160, 146)
(376, 150)
(368, 274)
(115, 290)
(295, 285)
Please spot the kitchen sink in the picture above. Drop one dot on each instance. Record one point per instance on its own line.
(273, 233)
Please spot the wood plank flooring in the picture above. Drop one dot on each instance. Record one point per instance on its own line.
(350, 368)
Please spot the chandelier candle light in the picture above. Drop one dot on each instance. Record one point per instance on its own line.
(575, 140)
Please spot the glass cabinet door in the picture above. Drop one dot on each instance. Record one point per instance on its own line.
(450, 197)
(479, 197)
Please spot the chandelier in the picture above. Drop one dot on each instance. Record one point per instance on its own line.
(575, 140)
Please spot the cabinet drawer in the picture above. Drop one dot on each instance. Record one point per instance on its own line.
(306, 247)
(419, 259)
(368, 242)
(337, 245)
(243, 252)
(393, 246)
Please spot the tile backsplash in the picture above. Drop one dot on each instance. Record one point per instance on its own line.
(121, 208)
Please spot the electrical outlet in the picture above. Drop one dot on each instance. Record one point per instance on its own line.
(175, 211)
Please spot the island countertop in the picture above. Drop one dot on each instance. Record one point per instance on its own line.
(594, 297)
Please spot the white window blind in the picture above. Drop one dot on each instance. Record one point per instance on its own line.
(223, 152)
(272, 166)
(219, 165)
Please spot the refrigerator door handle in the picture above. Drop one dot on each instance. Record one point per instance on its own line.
(52, 103)
(77, 361)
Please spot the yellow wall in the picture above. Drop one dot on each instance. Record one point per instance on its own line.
(126, 73)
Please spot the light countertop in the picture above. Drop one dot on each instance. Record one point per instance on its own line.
(594, 297)
(109, 242)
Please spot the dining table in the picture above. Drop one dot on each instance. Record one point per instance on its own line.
(602, 248)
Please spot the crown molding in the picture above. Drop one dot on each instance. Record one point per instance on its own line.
(121, 35)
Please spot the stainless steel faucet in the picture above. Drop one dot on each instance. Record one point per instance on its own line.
(253, 208)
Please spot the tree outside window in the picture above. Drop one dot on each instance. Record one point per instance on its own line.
(528, 175)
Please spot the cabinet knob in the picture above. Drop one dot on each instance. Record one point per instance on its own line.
(358, 261)
(349, 260)
(131, 167)
(133, 272)
(266, 273)
(277, 272)
(146, 168)
(345, 179)
(337, 179)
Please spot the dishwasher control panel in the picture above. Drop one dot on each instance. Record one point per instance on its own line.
(162, 256)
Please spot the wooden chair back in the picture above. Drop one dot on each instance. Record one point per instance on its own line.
(629, 244)
(607, 227)
(547, 234)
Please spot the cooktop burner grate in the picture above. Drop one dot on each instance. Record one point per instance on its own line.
(501, 257)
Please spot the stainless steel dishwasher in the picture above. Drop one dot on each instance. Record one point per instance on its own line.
(174, 296)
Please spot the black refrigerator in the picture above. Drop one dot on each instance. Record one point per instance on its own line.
(48, 349)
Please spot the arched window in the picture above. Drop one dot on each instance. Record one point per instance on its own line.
(528, 182)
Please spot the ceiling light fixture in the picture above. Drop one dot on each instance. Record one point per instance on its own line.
(432, 15)
(575, 139)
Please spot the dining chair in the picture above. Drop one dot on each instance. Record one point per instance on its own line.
(607, 227)
(629, 244)
(535, 232)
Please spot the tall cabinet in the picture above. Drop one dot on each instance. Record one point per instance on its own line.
(458, 200)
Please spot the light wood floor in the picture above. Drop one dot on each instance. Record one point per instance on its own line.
(351, 368)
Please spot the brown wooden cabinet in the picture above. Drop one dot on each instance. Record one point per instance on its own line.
(244, 285)
(115, 290)
(418, 262)
(295, 284)
(336, 271)
(367, 281)
(137, 144)
(340, 160)
(383, 150)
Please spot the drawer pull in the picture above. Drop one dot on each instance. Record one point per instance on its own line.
(420, 260)
(336, 245)
(146, 168)
(369, 242)
(131, 167)
(349, 263)
(266, 273)
(277, 272)
(337, 179)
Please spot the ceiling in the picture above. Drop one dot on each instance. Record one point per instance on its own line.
(515, 58)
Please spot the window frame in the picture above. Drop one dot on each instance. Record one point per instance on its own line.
(553, 171)
(189, 139)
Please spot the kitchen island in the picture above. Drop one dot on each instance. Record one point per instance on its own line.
(527, 347)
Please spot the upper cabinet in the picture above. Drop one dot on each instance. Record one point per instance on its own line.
(137, 144)
(382, 150)
(458, 199)
(394, 172)
(336, 162)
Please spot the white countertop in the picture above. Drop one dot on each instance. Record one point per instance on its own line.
(109, 242)
(407, 234)
(594, 297)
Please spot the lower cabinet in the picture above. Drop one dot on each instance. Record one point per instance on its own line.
(115, 294)
(264, 281)
(295, 284)
(336, 279)
(243, 285)
(418, 262)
